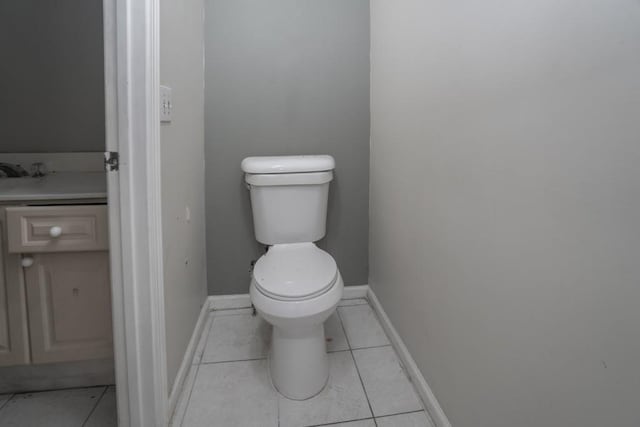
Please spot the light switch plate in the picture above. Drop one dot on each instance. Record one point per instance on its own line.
(166, 104)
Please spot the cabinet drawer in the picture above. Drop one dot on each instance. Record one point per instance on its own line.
(57, 228)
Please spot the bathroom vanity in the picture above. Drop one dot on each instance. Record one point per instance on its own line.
(55, 302)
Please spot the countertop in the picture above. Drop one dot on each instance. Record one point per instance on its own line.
(55, 186)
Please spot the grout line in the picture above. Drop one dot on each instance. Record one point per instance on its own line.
(363, 388)
(7, 401)
(95, 406)
(277, 395)
(47, 390)
(402, 413)
(373, 346)
(338, 351)
(361, 348)
(357, 370)
(341, 422)
(344, 331)
(232, 361)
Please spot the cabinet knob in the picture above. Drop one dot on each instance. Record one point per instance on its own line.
(27, 261)
(55, 231)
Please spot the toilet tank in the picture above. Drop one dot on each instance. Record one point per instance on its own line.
(289, 197)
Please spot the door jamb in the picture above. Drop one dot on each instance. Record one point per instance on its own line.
(133, 128)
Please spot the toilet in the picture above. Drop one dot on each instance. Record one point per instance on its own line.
(295, 286)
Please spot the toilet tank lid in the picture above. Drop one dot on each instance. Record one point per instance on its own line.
(288, 164)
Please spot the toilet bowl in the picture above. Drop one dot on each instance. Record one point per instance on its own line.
(295, 285)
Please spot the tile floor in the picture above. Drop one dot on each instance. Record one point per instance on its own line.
(229, 385)
(90, 407)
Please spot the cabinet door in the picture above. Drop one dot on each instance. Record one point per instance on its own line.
(69, 301)
(14, 341)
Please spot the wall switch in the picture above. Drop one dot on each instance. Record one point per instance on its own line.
(166, 104)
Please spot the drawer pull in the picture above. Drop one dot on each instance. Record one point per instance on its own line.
(27, 261)
(55, 231)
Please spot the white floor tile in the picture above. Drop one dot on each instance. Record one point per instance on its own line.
(336, 340)
(105, 413)
(352, 301)
(360, 423)
(64, 408)
(343, 398)
(414, 419)
(233, 394)
(388, 388)
(362, 326)
(239, 337)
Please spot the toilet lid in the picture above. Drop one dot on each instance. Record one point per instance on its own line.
(295, 271)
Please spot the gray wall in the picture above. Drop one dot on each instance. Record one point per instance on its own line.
(51, 76)
(505, 198)
(184, 252)
(285, 77)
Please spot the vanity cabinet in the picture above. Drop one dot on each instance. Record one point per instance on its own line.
(61, 278)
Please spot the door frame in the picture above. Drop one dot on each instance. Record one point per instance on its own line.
(131, 41)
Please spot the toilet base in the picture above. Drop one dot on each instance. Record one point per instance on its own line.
(299, 364)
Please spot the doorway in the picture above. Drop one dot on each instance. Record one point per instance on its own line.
(57, 360)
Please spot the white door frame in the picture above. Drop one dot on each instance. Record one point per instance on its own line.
(133, 130)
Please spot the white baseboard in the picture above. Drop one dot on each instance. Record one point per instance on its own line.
(351, 292)
(426, 394)
(227, 302)
(187, 359)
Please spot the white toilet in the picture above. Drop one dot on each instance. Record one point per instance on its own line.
(295, 286)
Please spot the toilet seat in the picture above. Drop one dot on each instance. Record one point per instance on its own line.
(295, 272)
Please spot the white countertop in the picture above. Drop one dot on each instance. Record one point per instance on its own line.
(55, 186)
